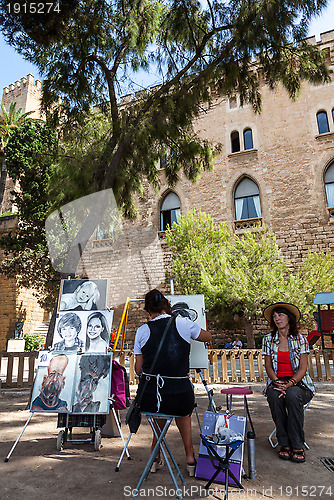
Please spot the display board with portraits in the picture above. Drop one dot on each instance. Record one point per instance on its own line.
(67, 382)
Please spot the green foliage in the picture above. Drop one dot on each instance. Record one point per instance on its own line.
(10, 120)
(199, 50)
(237, 275)
(7, 213)
(241, 275)
(30, 155)
(33, 341)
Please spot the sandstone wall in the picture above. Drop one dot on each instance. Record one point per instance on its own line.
(26, 93)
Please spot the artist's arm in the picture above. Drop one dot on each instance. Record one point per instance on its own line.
(204, 336)
(138, 364)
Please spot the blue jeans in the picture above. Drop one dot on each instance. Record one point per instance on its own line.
(288, 414)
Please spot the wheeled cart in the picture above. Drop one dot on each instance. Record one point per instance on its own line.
(70, 420)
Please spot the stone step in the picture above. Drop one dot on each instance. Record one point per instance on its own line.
(42, 329)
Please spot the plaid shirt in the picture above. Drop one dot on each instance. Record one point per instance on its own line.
(297, 346)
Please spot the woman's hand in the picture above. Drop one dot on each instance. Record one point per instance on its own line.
(282, 387)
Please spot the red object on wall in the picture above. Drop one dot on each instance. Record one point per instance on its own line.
(327, 320)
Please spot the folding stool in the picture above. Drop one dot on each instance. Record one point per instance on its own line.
(160, 435)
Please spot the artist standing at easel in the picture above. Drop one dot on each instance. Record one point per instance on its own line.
(169, 389)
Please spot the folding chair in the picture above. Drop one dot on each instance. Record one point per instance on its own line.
(270, 437)
(221, 464)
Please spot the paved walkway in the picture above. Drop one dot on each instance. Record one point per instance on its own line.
(37, 470)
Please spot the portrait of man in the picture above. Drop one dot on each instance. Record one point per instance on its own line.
(93, 368)
(52, 385)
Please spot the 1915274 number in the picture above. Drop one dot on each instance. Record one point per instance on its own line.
(306, 491)
(33, 8)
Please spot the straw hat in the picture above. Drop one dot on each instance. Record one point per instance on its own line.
(290, 307)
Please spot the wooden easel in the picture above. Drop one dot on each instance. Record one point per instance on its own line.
(122, 326)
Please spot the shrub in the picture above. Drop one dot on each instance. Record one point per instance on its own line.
(33, 341)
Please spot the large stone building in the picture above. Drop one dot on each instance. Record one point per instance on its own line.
(276, 168)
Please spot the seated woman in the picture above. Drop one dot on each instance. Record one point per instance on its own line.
(289, 385)
(169, 389)
(97, 335)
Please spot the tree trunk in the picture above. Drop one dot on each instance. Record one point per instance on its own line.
(249, 333)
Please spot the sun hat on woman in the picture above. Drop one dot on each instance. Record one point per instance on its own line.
(267, 313)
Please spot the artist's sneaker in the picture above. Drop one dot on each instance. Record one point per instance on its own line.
(157, 465)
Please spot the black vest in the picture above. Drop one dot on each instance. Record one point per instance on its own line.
(173, 359)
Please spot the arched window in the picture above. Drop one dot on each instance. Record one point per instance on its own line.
(248, 138)
(235, 142)
(170, 211)
(247, 200)
(322, 120)
(329, 184)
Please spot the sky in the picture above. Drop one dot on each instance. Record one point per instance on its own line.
(13, 66)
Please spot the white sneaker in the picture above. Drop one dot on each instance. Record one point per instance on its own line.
(156, 466)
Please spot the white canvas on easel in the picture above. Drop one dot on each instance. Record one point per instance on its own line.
(198, 352)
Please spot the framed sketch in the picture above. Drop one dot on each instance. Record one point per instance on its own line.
(92, 384)
(83, 331)
(53, 388)
(83, 295)
(192, 307)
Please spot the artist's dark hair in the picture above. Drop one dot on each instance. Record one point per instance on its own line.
(155, 302)
(293, 329)
(70, 319)
(105, 335)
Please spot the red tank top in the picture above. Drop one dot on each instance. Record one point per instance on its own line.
(284, 368)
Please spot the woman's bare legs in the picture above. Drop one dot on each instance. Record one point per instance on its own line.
(184, 426)
(161, 423)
